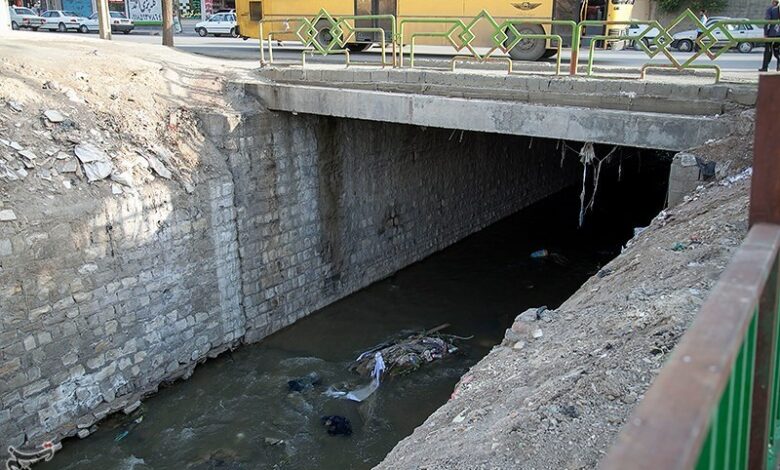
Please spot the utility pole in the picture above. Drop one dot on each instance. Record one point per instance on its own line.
(104, 22)
(167, 22)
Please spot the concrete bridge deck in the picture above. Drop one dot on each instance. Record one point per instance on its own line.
(621, 112)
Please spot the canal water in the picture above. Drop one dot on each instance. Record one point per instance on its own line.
(234, 410)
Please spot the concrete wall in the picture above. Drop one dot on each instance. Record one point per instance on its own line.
(104, 298)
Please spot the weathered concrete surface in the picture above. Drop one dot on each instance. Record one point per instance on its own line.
(674, 96)
(607, 126)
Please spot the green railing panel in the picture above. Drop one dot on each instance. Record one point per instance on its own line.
(726, 444)
(774, 427)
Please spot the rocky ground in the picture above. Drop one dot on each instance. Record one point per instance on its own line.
(557, 391)
(72, 127)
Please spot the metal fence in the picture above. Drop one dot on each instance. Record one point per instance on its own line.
(716, 402)
(654, 39)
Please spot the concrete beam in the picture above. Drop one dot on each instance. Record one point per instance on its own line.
(636, 129)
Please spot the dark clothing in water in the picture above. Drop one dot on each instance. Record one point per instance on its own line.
(337, 425)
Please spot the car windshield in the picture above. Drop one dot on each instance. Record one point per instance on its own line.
(69, 13)
(24, 11)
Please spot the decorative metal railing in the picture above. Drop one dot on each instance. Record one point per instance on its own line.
(498, 36)
(504, 35)
(706, 45)
(325, 35)
(716, 402)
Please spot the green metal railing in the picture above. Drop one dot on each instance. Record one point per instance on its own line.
(504, 34)
(715, 405)
(341, 30)
(707, 45)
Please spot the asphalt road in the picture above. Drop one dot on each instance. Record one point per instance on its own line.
(238, 49)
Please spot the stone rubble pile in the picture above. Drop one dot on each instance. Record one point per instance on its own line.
(51, 152)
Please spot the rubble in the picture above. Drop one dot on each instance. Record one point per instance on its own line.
(158, 167)
(7, 215)
(54, 116)
(97, 164)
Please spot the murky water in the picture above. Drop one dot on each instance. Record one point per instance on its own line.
(221, 417)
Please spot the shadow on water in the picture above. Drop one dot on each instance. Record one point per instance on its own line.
(231, 412)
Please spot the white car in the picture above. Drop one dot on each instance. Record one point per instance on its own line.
(119, 23)
(24, 18)
(635, 30)
(684, 41)
(219, 24)
(62, 20)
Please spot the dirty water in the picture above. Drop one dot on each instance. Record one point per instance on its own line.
(234, 409)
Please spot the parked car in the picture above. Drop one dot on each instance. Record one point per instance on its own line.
(635, 30)
(24, 18)
(684, 41)
(62, 20)
(119, 23)
(218, 24)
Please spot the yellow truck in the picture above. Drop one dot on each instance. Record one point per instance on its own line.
(279, 18)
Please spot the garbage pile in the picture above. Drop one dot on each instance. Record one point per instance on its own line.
(407, 353)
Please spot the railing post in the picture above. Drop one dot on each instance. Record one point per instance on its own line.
(765, 208)
(765, 189)
(575, 50)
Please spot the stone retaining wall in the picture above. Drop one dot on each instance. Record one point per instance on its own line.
(104, 299)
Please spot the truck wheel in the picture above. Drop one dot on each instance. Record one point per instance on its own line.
(527, 49)
(324, 36)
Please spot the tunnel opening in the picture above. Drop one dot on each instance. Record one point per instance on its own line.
(237, 412)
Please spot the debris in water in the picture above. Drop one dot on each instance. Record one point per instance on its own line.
(408, 352)
(362, 393)
(555, 257)
(133, 424)
(305, 383)
(337, 425)
(272, 441)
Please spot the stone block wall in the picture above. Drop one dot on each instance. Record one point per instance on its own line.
(327, 206)
(104, 298)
